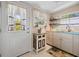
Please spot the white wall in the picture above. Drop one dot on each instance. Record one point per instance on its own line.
(39, 14)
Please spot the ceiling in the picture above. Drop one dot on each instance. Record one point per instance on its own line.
(51, 6)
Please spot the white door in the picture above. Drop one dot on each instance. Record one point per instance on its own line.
(14, 43)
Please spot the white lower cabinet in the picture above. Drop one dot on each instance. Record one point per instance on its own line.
(67, 41)
(76, 45)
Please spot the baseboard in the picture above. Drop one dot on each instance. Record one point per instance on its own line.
(61, 50)
(23, 54)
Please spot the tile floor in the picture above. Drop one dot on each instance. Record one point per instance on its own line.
(43, 53)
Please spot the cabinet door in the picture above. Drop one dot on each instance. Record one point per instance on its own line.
(43, 43)
(67, 42)
(39, 44)
(57, 40)
(49, 38)
(76, 45)
(52, 38)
